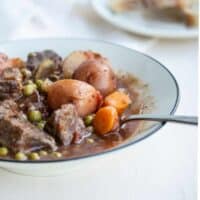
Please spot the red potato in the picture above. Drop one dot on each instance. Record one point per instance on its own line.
(85, 97)
(72, 62)
(97, 73)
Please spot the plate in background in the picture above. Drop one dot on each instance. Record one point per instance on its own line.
(136, 22)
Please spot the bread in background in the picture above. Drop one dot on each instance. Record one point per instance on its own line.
(186, 10)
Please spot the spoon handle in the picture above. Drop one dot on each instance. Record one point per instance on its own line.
(193, 120)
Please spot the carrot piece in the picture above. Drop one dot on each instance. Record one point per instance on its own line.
(16, 62)
(106, 120)
(119, 100)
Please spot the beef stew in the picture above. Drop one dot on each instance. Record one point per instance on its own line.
(52, 108)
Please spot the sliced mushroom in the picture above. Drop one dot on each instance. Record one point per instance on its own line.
(45, 64)
(45, 69)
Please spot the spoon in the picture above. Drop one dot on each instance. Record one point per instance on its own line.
(193, 120)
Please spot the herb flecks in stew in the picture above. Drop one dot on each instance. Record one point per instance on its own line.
(52, 108)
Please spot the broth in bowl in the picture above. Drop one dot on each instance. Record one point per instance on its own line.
(53, 108)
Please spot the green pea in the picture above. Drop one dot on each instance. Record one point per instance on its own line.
(30, 82)
(88, 120)
(43, 153)
(20, 156)
(39, 84)
(26, 73)
(41, 124)
(29, 89)
(34, 116)
(46, 85)
(35, 86)
(90, 140)
(34, 156)
(3, 151)
(57, 154)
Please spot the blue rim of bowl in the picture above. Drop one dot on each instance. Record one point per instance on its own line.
(155, 128)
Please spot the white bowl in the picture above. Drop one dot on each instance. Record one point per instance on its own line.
(163, 88)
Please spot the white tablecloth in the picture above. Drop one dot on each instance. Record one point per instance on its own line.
(162, 166)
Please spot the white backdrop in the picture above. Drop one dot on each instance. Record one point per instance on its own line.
(161, 167)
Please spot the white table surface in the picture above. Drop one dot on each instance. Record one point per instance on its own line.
(162, 167)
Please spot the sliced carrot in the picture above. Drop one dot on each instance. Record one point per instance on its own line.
(119, 100)
(106, 120)
(16, 62)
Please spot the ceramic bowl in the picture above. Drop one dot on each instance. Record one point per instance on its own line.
(162, 84)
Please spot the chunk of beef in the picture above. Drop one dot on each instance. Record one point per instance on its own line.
(45, 64)
(68, 126)
(10, 83)
(18, 134)
(35, 101)
(81, 131)
(8, 108)
(8, 89)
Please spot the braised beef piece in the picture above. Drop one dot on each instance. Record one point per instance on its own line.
(45, 64)
(8, 108)
(67, 126)
(8, 89)
(35, 101)
(18, 134)
(81, 131)
(12, 74)
(10, 83)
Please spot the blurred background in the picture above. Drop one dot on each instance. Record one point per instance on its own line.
(62, 18)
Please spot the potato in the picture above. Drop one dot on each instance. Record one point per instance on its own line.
(85, 97)
(97, 73)
(72, 62)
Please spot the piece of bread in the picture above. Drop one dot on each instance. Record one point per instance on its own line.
(187, 9)
(126, 5)
(191, 13)
(119, 6)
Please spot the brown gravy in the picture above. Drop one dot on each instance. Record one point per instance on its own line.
(138, 92)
